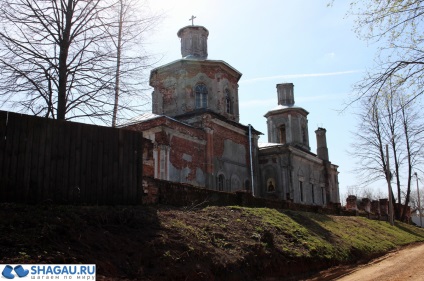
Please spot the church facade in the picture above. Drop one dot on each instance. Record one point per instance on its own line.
(196, 136)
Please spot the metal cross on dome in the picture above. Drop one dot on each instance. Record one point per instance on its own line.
(192, 19)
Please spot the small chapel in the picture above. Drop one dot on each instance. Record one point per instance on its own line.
(196, 137)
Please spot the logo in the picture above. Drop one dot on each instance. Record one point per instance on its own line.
(19, 270)
(59, 272)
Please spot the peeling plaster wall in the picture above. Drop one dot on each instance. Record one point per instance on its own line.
(287, 167)
(197, 156)
(187, 161)
(178, 150)
(231, 156)
(296, 125)
(174, 88)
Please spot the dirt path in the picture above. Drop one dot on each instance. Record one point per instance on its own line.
(405, 264)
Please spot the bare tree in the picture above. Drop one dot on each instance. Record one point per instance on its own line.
(413, 130)
(368, 147)
(388, 120)
(397, 28)
(130, 21)
(57, 59)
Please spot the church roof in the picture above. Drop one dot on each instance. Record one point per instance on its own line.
(215, 115)
(147, 117)
(179, 33)
(189, 61)
(268, 144)
(282, 108)
(140, 118)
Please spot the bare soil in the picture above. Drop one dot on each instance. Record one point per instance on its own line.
(405, 264)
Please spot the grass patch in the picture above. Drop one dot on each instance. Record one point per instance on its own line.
(335, 237)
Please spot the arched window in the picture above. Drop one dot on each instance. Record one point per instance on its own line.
(301, 190)
(247, 185)
(228, 103)
(221, 181)
(301, 180)
(201, 96)
(283, 134)
(304, 134)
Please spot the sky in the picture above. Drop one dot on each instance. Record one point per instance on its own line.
(303, 42)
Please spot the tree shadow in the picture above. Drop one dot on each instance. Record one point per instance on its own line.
(408, 230)
(305, 219)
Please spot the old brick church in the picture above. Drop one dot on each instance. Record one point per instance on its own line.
(196, 136)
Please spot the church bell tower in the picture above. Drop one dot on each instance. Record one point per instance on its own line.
(287, 123)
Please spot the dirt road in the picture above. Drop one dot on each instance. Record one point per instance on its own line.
(406, 264)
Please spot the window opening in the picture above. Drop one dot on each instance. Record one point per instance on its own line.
(201, 96)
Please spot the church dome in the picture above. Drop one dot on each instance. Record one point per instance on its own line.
(194, 42)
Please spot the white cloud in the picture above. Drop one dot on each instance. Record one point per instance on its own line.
(330, 56)
(294, 76)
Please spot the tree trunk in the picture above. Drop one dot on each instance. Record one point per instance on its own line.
(118, 64)
(63, 57)
(409, 157)
(392, 116)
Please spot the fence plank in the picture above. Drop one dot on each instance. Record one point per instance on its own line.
(3, 132)
(13, 146)
(44, 162)
(55, 158)
(76, 191)
(132, 195)
(71, 182)
(105, 170)
(122, 180)
(115, 179)
(83, 169)
(37, 162)
(88, 175)
(29, 152)
(139, 167)
(20, 158)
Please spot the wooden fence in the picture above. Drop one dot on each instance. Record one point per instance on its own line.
(44, 160)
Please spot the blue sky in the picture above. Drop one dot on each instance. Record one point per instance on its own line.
(270, 42)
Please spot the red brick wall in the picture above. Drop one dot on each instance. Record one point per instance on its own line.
(178, 194)
(221, 134)
(195, 150)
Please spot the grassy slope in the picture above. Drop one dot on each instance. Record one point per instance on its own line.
(215, 243)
